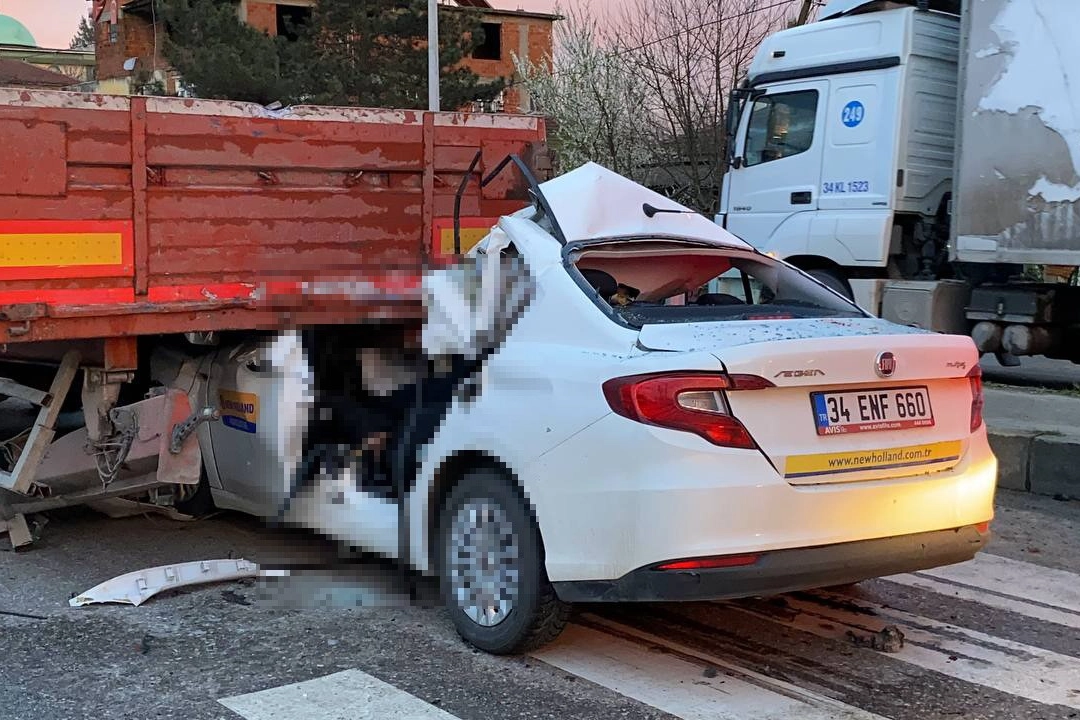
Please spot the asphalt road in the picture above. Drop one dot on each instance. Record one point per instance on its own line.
(995, 638)
(1034, 372)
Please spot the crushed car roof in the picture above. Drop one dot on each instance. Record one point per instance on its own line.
(593, 202)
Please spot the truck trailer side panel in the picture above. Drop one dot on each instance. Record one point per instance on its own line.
(139, 216)
(1020, 95)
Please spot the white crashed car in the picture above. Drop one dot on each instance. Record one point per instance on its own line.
(635, 439)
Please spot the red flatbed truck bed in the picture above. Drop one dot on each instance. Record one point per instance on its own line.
(135, 216)
(126, 223)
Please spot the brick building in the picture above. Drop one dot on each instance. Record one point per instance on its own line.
(129, 42)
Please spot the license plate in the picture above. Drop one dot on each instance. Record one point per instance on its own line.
(852, 411)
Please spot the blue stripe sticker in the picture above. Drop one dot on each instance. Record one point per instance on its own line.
(238, 423)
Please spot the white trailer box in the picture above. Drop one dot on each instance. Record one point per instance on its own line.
(1017, 177)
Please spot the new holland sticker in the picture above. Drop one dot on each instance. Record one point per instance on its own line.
(240, 411)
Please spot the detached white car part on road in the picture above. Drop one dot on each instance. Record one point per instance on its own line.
(765, 437)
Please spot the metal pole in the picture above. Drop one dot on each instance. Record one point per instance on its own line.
(433, 55)
(804, 12)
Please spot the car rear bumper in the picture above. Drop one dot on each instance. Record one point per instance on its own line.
(782, 571)
(622, 496)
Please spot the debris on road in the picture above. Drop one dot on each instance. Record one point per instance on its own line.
(889, 639)
(135, 588)
(234, 597)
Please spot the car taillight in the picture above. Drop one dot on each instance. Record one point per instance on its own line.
(710, 563)
(693, 402)
(975, 378)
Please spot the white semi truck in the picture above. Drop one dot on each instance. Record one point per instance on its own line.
(923, 157)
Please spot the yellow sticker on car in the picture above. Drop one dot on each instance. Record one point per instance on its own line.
(240, 411)
(901, 459)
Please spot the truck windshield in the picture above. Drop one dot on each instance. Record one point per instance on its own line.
(659, 282)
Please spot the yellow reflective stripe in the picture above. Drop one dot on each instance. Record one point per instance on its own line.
(60, 249)
(469, 238)
(888, 459)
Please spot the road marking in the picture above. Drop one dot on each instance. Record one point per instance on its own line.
(1021, 587)
(673, 678)
(347, 695)
(969, 655)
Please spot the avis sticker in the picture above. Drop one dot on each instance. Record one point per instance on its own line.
(240, 411)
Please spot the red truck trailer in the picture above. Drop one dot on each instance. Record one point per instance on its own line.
(127, 224)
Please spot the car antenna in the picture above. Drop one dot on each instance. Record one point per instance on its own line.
(650, 211)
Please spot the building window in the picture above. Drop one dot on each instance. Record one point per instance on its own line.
(491, 47)
(114, 32)
(290, 18)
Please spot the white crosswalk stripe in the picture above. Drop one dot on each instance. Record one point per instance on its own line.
(969, 655)
(1042, 593)
(671, 682)
(691, 684)
(346, 695)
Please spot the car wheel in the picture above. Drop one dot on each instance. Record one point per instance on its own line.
(492, 568)
(832, 279)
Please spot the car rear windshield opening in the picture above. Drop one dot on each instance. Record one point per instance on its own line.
(647, 283)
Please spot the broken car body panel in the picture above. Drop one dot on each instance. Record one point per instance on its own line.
(137, 587)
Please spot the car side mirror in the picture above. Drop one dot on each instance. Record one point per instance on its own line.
(737, 162)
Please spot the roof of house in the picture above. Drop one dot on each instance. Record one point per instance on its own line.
(20, 74)
(498, 12)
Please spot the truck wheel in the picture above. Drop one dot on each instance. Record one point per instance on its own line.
(832, 279)
(491, 567)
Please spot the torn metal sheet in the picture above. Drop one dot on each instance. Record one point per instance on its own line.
(593, 202)
(137, 587)
(473, 305)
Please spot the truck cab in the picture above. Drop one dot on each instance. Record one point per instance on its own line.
(842, 144)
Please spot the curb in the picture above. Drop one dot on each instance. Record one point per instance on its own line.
(1044, 463)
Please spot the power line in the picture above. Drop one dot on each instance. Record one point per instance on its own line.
(705, 25)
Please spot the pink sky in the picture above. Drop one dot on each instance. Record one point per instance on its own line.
(53, 22)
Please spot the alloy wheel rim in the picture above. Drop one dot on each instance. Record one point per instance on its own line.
(484, 562)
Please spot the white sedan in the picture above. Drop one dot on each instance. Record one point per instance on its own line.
(634, 437)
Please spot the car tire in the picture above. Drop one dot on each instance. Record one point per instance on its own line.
(834, 280)
(484, 507)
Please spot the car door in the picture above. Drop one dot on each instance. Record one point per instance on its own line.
(777, 168)
(261, 404)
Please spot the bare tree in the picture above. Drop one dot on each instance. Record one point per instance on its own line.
(690, 54)
(594, 98)
(646, 93)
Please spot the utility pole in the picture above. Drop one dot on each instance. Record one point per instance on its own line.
(804, 12)
(433, 55)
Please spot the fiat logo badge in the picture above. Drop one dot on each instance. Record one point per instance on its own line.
(885, 365)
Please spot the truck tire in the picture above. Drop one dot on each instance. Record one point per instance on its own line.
(832, 279)
(485, 532)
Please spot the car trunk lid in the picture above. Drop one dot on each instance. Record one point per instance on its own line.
(851, 400)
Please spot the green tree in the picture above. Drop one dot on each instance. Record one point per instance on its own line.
(374, 53)
(349, 52)
(84, 35)
(222, 58)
